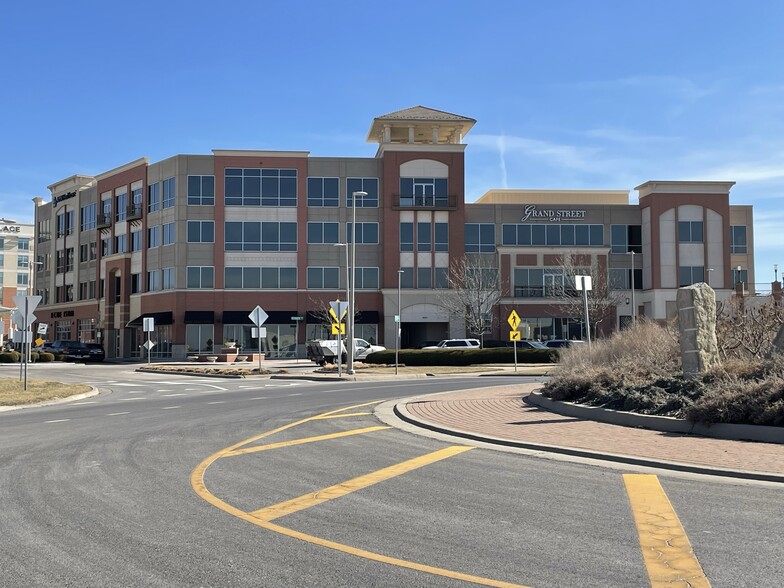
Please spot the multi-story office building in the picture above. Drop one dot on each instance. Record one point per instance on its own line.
(197, 241)
(16, 260)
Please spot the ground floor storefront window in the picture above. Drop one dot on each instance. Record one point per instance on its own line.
(280, 341)
(162, 336)
(86, 331)
(200, 338)
(547, 328)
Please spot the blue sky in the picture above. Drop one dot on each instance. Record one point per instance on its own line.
(567, 94)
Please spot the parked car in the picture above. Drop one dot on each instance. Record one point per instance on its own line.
(69, 350)
(456, 344)
(557, 343)
(527, 344)
(96, 351)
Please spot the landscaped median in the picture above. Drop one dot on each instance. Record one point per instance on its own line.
(639, 371)
(12, 392)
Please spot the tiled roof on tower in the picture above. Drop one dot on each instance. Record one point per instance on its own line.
(421, 125)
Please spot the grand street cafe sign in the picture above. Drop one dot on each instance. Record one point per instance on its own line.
(533, 212)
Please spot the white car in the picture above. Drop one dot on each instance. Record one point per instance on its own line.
(456, 344)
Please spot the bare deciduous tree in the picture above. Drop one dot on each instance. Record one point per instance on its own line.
(474, 290)
(745, 328)
(602, 299)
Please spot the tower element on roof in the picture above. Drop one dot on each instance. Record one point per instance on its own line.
(419, 125)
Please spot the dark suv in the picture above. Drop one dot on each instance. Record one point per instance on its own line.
(69, 350)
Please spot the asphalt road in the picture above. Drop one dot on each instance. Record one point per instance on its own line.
(105, 492)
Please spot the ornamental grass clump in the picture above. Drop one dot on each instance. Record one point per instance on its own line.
(635, 369)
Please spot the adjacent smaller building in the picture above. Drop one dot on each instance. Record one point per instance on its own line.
(16, 262)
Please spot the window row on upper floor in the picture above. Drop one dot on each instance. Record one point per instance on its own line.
(481, 237)
(269, 187)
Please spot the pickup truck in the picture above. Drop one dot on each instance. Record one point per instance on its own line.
(324, 351)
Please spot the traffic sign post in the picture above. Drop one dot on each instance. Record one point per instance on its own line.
(514, 334)
(297, 320)
(584, 283)
(148, 325)
(25, 305)
(338, 311)
(258, 316)
(148, 345)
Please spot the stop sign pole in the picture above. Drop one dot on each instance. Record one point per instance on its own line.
(26, 306)
(258, 316)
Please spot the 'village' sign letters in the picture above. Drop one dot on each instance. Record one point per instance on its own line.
(551, 214)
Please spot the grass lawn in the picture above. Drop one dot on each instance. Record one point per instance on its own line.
(12, 392)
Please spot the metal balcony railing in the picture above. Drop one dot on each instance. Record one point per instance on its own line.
(134, 212)
(424, 202)
(545, 292)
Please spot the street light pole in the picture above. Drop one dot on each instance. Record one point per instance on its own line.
(399, 320)
(347, 295)
(350, 336)
(634, 306)
(30, 292)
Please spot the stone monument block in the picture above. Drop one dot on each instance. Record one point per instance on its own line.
(697, 326)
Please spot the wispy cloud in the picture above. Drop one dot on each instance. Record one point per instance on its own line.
(502, 161)
(571, 156)
(768, 233)
(626, 136)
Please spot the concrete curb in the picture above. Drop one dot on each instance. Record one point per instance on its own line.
(93, 392)
(658, 423)
(400, 412)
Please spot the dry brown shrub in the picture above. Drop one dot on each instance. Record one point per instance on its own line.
(733, 400)
(647, 350)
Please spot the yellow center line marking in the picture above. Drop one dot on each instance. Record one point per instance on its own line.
(275, 511)
(200, 488)
(666, 551)
(305, 440)
(340, 416)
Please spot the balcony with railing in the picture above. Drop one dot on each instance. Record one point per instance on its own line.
(545, 292)
(104, 221)
(431, 202)
(134, 212)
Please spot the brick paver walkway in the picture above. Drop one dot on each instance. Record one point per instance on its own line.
(500, 412)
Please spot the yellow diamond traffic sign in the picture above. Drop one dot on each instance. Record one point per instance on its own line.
(514, 335)
(338, 328)
(513, 320)
(39, 341)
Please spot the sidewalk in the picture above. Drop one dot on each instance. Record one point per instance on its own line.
(499, 415)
